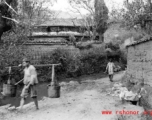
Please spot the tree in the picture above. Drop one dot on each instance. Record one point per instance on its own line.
(101, 17)
(22, 21)
(33, 13)
(95, 18)
(5, 25)
(138, 15)
(24, 13)
(87, 21)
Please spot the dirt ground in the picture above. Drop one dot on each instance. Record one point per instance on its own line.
(84, 101)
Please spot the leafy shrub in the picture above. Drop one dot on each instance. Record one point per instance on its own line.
(93, 60)
(69, 60)
(74, 63)
(11, 51)
(72, 39)
(84, 45)
(112, 46)
(10, 56)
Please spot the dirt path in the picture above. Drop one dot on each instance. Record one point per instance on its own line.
(83, 101)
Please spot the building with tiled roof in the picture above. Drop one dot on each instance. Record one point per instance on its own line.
(54, 34)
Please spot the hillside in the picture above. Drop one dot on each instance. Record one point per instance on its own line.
(117, 33)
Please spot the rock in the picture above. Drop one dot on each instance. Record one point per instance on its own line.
(123, 89)
(117, 69)
(29, 105)
(117, 85)
(118, 90)
(121, 95)
(73, 83)
(113, 88)
(136, 88)
(44, 98)
(3, 94)
(12, 108)
(5, 106)
(63, 84)
(146, 101)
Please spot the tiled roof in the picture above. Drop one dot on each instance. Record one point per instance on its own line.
(144, 39)
(63, 22)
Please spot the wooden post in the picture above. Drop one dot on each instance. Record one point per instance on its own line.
(9, 73)
(53, 75)
(53, 88)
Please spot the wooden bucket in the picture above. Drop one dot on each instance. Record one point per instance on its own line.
(9, 90)
(53, 91)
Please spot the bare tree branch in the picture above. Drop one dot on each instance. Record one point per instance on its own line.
(11, 19)
(10, 7)
(87, 20)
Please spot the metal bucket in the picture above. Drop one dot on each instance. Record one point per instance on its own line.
(9, 90)
(53, 91)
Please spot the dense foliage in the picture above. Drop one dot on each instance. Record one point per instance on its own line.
(135, 14)
(95, 21)
(76, 63)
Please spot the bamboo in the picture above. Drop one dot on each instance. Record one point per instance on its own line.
(9, 71)
(53, 73)
(41, 65)
(19, 82)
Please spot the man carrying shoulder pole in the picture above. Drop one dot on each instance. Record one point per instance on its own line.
(30, 83)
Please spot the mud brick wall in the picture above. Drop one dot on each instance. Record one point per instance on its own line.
(139, 62)
(38, 50)
(34, 48)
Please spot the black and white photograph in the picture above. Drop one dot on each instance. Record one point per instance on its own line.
(75, 59)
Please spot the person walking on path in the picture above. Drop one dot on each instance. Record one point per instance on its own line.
(110, 69)
(30, 83)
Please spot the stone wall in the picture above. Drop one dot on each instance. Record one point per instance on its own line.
(139, 62)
